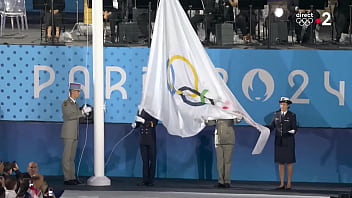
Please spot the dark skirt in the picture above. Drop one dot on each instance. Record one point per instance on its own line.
(57, 19)
(285, 149)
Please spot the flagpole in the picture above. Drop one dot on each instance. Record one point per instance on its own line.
(99, 179)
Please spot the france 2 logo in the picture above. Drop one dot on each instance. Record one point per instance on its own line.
(304, 19)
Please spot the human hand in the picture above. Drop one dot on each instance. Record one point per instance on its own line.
(15, 166)
(86, 109)
(291, 131)
(106, 15)
(133, 125)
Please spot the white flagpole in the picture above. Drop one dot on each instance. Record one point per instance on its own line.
(99, 179)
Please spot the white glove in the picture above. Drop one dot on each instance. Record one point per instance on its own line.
(139, 119)
(291, 131)
(238, 119)
(86, 109)
(133, 125)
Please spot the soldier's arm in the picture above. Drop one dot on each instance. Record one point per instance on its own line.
(70, 113)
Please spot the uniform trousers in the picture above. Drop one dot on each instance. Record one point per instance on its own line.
(224, 159)
(148, 153)
(68, 158)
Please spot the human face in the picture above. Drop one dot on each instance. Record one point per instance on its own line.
(284, 106)
(74, 94)
(32, 168)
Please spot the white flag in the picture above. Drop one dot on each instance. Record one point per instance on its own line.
(182, 87)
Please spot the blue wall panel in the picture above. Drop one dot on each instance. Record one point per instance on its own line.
(323, 155)
(34, 81)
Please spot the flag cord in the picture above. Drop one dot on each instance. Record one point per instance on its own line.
(85, 99)
(117, 143)
(83, 149)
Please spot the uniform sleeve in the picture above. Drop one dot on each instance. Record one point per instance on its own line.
(138, 124)
(70, 113)
(272, 124)
(294, 122)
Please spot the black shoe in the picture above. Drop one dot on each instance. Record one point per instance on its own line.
(78, 182)
(288, 189)
(142, 184)
(227, 185)
(280, 188)
(150, 184)
(70, 182)
(218, 185)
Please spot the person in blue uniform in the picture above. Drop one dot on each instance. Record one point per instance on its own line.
(147, 142)
(285, 126)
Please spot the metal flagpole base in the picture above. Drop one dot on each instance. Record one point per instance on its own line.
(99, 181)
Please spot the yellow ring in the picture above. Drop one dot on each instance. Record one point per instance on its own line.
(193, 71)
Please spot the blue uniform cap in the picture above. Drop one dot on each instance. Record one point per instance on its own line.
(75, 86)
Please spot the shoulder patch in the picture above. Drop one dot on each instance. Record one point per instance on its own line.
(65, 103)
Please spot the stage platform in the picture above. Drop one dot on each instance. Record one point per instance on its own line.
(32, 36)
(177, 188)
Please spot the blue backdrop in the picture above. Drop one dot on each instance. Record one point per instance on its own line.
(35, 80)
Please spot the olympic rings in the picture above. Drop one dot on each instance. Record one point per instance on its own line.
(304, 21)
(170, 71)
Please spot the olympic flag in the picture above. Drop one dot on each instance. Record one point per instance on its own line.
(182, 87)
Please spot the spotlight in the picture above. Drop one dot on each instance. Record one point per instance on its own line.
(279, 12)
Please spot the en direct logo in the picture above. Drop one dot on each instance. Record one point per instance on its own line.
(304, 19)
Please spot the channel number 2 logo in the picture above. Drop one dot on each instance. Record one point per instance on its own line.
(306, 19)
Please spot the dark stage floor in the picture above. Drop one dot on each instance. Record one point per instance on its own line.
(198, 187)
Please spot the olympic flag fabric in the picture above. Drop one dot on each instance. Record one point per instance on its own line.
(182, 87)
